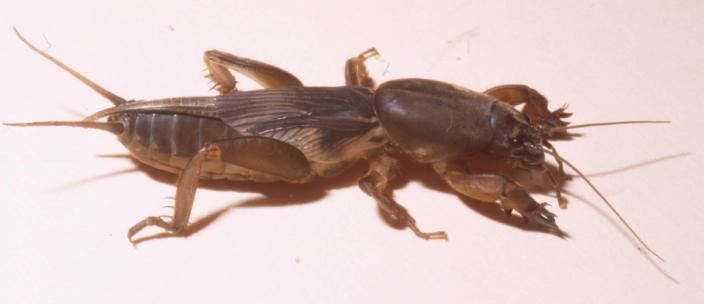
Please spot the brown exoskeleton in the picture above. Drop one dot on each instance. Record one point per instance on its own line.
(293, 133)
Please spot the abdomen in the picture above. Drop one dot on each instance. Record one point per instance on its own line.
(167, 141)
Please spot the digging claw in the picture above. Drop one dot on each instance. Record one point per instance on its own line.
(541, 216)
(508, 211)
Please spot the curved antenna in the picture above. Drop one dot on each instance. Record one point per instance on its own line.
(633, 232)
(116, 100)
(556, 184)
(607, 123)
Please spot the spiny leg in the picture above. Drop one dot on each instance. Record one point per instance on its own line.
(383, 169)
(356, 71)
(185, 193)
(487, 187)
(536, 105)
(266, 75)
(263, 155)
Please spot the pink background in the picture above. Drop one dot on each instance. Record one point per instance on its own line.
(65, 212)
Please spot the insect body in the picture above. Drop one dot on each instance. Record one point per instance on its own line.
(313, 123)
(293, 133)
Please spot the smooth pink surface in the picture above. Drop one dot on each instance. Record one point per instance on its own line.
(65, 212)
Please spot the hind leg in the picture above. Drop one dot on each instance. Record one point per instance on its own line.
(220, 63)
(263, 155)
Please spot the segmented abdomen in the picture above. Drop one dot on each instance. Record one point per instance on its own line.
(169, 139)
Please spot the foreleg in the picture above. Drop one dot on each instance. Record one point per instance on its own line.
(491, 188)
(536, 105)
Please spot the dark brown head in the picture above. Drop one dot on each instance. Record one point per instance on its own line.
(515, 137)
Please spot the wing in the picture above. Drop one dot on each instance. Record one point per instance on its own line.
(320, 121)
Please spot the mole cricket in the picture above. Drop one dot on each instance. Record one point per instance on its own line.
(294, 133)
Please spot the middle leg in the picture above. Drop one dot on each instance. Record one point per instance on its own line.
(383, 169)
